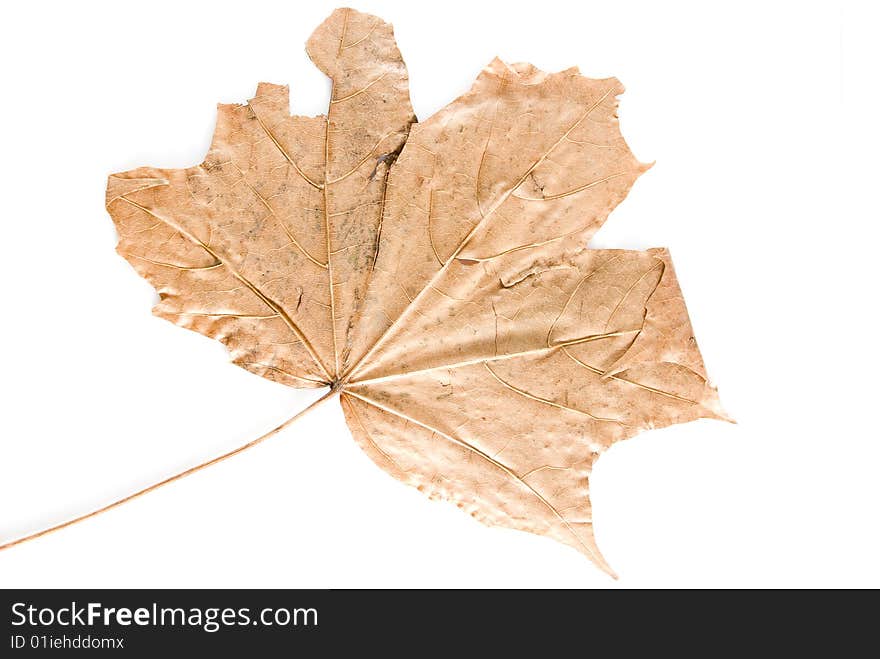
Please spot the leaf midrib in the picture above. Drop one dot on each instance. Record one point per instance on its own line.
(277, 308)
(483, 220)
(593, 554)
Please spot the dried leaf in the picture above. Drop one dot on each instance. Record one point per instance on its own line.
(482, 352)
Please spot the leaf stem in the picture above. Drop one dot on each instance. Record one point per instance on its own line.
(176, 477)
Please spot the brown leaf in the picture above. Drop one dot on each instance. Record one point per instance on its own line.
(483, 353)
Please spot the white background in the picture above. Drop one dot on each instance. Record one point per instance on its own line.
(761, 119)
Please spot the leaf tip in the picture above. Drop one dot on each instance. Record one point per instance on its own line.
(602, 564)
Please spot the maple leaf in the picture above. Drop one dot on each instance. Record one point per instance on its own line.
(436, 275)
